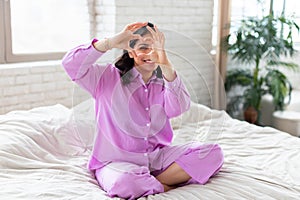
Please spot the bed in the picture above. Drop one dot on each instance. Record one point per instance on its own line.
(44, 152)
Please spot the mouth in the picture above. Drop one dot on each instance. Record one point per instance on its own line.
(149, 61)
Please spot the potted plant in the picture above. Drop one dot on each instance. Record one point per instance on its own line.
(260, 43)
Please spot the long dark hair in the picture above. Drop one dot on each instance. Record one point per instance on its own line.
(125, 63)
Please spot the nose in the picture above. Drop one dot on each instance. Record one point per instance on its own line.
(145, 51)
(149, 51)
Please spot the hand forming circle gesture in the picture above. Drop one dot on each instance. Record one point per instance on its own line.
(122, 39)
(159, 45)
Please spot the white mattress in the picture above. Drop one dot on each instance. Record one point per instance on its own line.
(44, 153)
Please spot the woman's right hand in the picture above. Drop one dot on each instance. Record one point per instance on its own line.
(122, 39)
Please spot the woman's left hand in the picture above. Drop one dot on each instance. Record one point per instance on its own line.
(159, 48)
(159, 45)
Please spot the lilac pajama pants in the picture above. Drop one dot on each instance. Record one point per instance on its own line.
(130, 181)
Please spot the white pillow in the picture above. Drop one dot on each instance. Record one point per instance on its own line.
(84, 123)
(196, 113)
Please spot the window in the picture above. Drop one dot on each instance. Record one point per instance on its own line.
(244, 8)
(241, 9)
(32, 30)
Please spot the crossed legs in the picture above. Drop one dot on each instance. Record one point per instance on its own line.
(130, 181)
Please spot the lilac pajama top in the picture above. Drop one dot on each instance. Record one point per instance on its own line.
(133, 118)
(134, 133)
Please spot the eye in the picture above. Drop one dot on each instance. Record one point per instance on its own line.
(143, 47)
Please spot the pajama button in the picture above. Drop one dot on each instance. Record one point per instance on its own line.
(147, 108)
(145, 154)
(148, 124)
(145, 138)
(146, 90)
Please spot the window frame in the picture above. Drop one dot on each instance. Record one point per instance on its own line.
(6, 52)
(2, 34)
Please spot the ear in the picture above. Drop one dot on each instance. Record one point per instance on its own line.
(131, 53)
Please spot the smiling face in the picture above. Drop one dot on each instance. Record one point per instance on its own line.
(144, 57)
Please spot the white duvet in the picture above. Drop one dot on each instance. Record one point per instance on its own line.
(44, 153)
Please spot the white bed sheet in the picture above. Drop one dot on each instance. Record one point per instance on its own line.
(44, 152)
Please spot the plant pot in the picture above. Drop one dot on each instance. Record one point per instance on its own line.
(250, 115)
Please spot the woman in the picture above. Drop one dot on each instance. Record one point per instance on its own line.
(134, 100)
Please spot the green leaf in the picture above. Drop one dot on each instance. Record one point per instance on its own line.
(290, 65)
(279, 87)
(235, 77)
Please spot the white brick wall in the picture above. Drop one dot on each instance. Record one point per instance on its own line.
(24, 86)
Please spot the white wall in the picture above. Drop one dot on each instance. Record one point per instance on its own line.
(27, 85)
